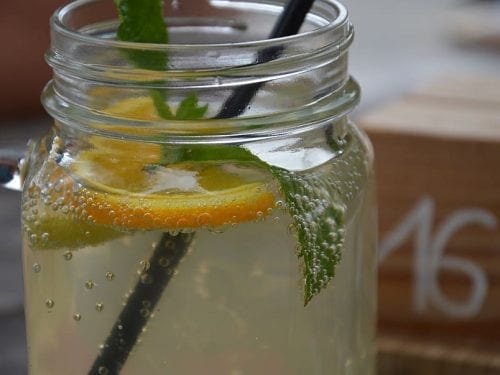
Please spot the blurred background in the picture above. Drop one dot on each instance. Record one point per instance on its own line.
(430, 74)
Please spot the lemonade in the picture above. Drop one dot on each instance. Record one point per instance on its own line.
(199, 208)
(234, 304)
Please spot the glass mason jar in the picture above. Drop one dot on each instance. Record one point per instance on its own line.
(172, 227)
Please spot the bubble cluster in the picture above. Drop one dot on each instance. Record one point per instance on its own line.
(318, 222)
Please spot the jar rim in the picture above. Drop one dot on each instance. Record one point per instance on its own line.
(59, 25)
(75, 56)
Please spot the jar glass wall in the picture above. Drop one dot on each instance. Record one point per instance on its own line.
(200, 244)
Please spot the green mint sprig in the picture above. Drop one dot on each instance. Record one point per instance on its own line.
(142, 21)
(318, 222)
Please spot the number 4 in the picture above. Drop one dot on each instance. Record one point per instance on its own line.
(429, 257)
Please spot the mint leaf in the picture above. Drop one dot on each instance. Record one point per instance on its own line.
(142, 21)
(317, 221)
(161, 106)
(319, 226)
(189, 109)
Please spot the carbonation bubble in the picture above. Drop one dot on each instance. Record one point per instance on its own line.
(99, 307)
(204, 218)
(164, 262)
(89, 284)
(102, 370)
(49, 303)
(68, 255)
(37, 267)
(110, 276)
(77, 317)
(144, 265)
(146, 278)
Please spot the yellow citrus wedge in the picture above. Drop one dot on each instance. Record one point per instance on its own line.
(178, 210)
(124, 185)
(138, 108)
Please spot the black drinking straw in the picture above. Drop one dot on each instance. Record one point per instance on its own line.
(171, 249)
(288, 23)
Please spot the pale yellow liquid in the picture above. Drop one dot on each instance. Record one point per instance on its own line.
(234, 306)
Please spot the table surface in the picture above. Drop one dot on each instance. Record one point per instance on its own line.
(398, 46)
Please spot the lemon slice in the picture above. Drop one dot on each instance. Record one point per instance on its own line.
(58, 231)
(125, 185)
(178, 197)
(53, 220)
(114, 186)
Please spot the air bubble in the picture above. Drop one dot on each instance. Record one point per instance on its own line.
(164, 262)
(204, 218)
(110, 276)
(37, 267)
(77, 317)
(45, 237)
(49, 303)
(99, 307)
(68, 255)
(102, 370)
(146, 279)
(145, 265)
(89, 284)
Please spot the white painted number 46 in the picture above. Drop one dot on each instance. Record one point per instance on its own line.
(429, 257)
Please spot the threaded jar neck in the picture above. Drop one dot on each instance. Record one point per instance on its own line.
(209, 56)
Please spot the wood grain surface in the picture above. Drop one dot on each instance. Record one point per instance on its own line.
(438, 168)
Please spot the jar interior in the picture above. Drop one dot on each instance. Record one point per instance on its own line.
(196, 21)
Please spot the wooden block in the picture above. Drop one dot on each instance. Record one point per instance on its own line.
(402, 355)
(473, 92)
(438, 170)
